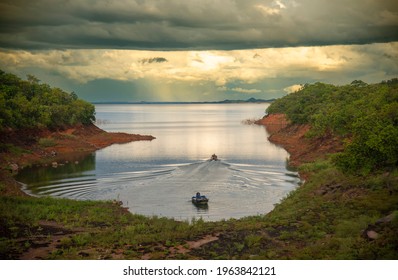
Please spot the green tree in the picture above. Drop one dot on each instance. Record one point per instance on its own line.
(29, 104)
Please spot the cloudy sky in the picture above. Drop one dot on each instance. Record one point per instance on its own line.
(169, 50)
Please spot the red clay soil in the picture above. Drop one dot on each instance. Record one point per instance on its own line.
(44, 143)
(293, 139)
(93, 138)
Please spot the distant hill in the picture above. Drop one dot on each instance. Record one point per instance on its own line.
(250, 100)
(226, 101)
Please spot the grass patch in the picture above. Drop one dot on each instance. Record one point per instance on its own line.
(68, 136)
(315, 166)
(15, 150)
(105, 226)
(47, 142)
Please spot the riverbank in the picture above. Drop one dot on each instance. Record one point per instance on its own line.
(293, 139)
(23, 148)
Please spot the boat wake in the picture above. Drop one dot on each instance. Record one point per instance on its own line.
(235, 190)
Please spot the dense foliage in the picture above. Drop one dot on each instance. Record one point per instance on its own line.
(365, 115)
(29, 104)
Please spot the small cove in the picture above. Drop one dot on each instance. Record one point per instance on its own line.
(158, 177)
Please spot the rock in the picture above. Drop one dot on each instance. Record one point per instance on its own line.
(14, 167)
(386, 219)
(84, 254)
(328, 189)
(117, 202)
(371, 234)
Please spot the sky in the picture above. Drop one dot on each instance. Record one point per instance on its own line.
(197, 50)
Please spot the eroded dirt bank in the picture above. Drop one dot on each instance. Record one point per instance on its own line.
(292, 137)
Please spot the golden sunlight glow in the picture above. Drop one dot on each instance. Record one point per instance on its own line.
(268, 10)
(218, 67)
(208, 61)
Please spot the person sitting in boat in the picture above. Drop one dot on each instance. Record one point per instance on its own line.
(199, 199)
(213, 157)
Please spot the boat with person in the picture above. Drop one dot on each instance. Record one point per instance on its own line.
(213, 157)
(199, 199)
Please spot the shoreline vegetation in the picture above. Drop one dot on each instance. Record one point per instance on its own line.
(342, 211)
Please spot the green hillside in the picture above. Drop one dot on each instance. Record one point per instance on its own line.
(30, 104)
(366, 116)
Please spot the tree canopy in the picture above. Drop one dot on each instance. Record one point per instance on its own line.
(29, 104)
(366, 116)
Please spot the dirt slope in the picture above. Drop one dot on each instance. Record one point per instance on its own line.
(293, 138)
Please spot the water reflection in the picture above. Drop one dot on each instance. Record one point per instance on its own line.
(158, 177)
(71, 171)
(190, 132)
(201, 208)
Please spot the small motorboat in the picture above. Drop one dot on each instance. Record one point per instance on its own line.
(213, 157)
(199, 199)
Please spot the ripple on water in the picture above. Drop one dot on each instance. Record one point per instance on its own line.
(235, 190)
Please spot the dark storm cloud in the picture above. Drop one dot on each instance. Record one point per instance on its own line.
(195, 24)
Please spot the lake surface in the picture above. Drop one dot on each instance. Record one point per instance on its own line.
(159, 177)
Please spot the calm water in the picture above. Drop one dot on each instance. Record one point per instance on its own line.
(159, 177)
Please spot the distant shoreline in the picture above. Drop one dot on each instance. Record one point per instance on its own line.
(227, 101)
